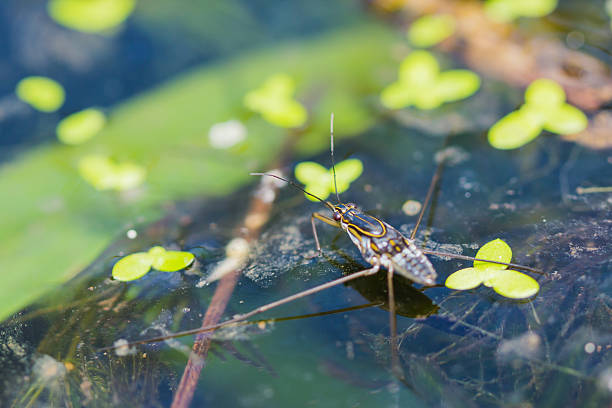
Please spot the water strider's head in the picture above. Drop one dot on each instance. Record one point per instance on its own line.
(342, 209)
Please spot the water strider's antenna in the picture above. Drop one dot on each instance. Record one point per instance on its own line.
(331, 133)
(328, 205)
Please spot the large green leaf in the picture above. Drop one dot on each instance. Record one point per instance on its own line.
(55, 223)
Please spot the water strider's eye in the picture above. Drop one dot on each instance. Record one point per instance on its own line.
(337, 216)
(352, 205)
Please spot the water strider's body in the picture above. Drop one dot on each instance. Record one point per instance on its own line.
(381, 244)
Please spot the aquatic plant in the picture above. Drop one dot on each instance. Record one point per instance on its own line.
(136, 265)
(105, 174)
(92, 16)
(544, 109)
(431, 29)
(80, 126)
(41, 93)
(506, 282)
(421, 84)
(274, 101)
(320, 181)
(508, 10)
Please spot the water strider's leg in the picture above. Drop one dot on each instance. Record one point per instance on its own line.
(396, 368)
(326, 220)
(430, 190)
(470, 258)
(241, 317)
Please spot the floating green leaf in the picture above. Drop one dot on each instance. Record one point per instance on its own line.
(544, 93)
(80, 126)
(132, 267)
(508, 10)
(496, 250)
(422, 85)
(320, 181)
(431, 29)
(105, 174)
(274, 101)
(513, 284)
(506, 282)
(544, 109)
(43, 94)
(135, 266)
(91, 16)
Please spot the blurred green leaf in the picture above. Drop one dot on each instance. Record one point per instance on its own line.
(166, 131)
(320, 181)
(422, 85)
(544, 109)
(431, 29)
(508, 10)
(43, 94)
(104, 174)
(91, 16)
(80, 126)
(274, 100)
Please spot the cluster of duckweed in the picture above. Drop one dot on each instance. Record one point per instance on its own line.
(504, 281)
(544, 109)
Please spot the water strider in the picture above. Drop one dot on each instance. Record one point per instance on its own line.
(380, 244)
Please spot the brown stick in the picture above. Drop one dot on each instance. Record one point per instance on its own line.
(197, 360)
(257, 216)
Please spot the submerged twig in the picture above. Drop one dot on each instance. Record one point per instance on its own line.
(256, 217)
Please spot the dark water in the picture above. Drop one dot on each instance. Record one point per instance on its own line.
(457, 349)
(472, 348)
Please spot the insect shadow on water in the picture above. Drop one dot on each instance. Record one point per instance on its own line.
(380, 244)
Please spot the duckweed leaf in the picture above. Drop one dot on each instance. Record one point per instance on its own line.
(104, 174)
(431, 29)
(43, 94)
(136, 265)
(514, 130)
(543, 93)
(513, 284)
(544, 109)
(496, 250)
(91, 16)
(319, 180)
(508, 10)
(566, 120)
(464, 279)
(274, 101)
(80, 126)
(170, 261)
(132, 267)
(456, 85)
(422, 85)
(419, 67)
(506, 282)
